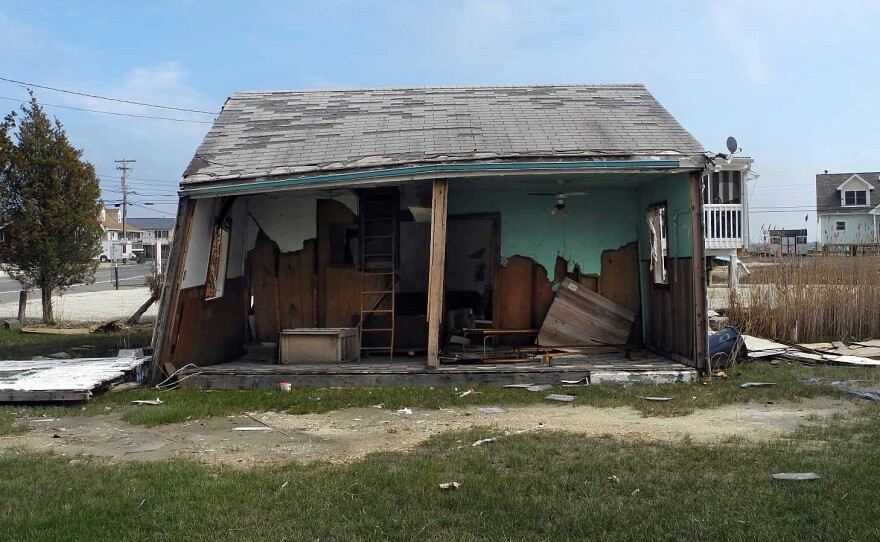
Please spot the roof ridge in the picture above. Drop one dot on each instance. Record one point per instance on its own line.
(444, 87)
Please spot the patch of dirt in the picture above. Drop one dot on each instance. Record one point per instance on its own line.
(349, 434)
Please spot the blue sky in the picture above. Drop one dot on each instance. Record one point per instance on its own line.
(795, 81)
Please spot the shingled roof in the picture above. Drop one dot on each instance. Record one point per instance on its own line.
(286, 133)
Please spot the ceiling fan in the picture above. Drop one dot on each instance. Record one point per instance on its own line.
(559, 208)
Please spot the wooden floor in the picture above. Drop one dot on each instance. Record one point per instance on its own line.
(412, 372)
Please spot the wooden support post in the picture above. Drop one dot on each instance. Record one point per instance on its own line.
(165, 331)
(437, 271)
(22, 306)
(698, 267)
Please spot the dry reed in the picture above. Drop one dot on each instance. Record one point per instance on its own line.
(811, 299)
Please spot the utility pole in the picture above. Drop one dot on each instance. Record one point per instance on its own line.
(124, 168)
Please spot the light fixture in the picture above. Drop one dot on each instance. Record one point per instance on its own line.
(560, 209)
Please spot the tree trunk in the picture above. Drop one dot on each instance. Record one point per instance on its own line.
(140, 312)
(48, 317)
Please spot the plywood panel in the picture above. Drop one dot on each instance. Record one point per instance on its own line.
(297, 287)
(620, 276)
(542, 286)
(671, 317)
(579, 315)
(342, 290)
(515, 293)
(263, 267)
(333, 281)
(211, 331)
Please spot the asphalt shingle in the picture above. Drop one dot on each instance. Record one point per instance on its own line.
(268, 133)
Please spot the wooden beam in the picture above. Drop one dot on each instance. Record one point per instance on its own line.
(165, 331)
(698, 266)
(437, 271)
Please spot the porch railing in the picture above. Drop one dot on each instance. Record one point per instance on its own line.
(724, 225)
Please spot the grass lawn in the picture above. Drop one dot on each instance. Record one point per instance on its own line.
(17, 345)
(182, 404)
(534, 486)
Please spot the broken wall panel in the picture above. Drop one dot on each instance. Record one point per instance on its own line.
(298, 288)
(580, 316)
(620, 276)
(338, 285)
(263, 275)
(211, 331)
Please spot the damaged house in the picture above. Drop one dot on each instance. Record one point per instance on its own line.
(379, 230)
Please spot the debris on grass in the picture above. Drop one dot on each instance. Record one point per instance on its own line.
(796, 476)
(614, 478)
(560, 397)
(450, 485)
(756, 384)
(585, 381)
(539, 387)
(506, 434)
(469, 391)
(870, 395)
(649, 398)
(492, 410)
(253, 428)
(155, 401)
(404, 410)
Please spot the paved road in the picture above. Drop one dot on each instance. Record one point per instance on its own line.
(130, 276)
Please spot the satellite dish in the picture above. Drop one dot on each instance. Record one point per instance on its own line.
(731, 145)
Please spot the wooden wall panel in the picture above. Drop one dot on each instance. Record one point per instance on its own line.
(620, 276)
(515, 295)
(339, 289)
(263, 274)
(298, 287)
(211, 331)
(342, 293)
(670, 313)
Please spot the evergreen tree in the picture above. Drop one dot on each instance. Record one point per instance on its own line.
(48, 204)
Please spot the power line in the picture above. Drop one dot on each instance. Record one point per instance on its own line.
(120, 100)
(109, 112)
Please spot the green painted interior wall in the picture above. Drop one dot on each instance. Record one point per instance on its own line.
(601, 220)
(675, 191)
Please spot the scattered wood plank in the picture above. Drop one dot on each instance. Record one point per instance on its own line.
(64, 379)
(57, 330)
(580, 316)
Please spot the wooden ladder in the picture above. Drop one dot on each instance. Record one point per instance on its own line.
(379, 231)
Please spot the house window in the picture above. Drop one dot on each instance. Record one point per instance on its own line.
(726, 187)
(217, 260)
(840, 226)
(160, 234)
(801, 240)
(774, 240)
(855, 197)
(657, 228)
(343, 244)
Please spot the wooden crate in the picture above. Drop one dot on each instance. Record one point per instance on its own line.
(318, 345)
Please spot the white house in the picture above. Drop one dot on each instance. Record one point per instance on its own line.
(726, 209)
(847, 205)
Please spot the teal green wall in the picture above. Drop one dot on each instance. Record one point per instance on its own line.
(601, 220)
(675, 191)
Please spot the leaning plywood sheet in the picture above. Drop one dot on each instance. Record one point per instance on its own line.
(762, 348)
(819, 357)
(580, 316)
(64, 380)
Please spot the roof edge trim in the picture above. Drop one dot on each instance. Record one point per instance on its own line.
(439, 170)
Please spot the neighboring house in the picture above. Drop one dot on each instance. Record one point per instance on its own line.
(153, 231)
(344, 208)
(116, 244)
(847, 205)
(786, 242)
(726, 210)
